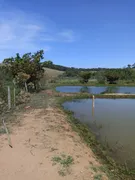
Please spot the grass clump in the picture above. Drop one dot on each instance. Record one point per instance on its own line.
(98, 177)
(65, 162)
(94, 168)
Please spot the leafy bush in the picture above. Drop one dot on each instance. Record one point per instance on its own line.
(27, 68)
(85, 76)
(112, 76)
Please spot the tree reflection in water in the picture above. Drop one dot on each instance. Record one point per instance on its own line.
(110, 89)
(85, 89)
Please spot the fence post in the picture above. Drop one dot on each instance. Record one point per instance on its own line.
(26, 88)
(9, 98)
(14, 93)
(14, 97)
(93, 105)
(93, 101)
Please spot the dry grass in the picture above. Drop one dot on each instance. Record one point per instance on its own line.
(52, 73)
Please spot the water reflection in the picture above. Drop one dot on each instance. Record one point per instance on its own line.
(111, 89)
(85, 89)
(96, 90)
(112, 121)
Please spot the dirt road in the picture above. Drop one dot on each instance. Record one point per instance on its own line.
(45, 147)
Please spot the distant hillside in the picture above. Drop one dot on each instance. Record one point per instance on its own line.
(52, 73)
(49, 64)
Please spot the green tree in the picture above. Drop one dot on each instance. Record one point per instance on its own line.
(48, 64)
(112, 76)
(100, 76)
(129, 65)
(85, 76)
(28, 65)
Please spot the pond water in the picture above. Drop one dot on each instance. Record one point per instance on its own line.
(96, 89)
(113, 123)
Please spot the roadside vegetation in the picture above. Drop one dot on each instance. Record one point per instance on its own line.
(22, 72)
(65, 162)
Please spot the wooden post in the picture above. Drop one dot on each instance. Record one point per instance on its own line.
(26, 88)
(93, 101)
(93, 105)
(14, 97)
(9, 98)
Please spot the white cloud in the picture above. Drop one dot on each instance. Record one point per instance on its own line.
(21, 32)
(62, 36)
(68, 35)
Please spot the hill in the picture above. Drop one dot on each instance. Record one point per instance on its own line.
(52, 73)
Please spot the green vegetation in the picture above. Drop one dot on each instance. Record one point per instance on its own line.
(20, 73)
(98, 177)
(65, 162)
(127, 74)
(85, 76)
(99, 170)
(50, 64)
(5, 79)
(26, 69)
(94, 168)
(112, 76)
(99, 76)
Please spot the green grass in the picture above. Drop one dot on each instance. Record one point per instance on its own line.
(94, 168)
(98, 177)
(102, 169)
(74, 81)
(65, 162)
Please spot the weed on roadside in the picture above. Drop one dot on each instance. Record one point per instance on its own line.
(98, 177)
(94, 168)
(65, 162)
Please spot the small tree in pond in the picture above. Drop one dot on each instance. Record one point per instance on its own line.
(85, 76)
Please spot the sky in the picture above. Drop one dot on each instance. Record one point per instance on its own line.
(74, 33)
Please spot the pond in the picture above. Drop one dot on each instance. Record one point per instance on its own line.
(113, 123)
(96, 89)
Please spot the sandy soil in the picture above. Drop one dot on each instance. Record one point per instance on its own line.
(42, 135)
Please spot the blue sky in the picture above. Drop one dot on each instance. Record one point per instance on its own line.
(79, 33)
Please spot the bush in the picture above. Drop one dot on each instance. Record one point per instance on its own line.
(27, 68)
(85, 76)
(112, 76)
